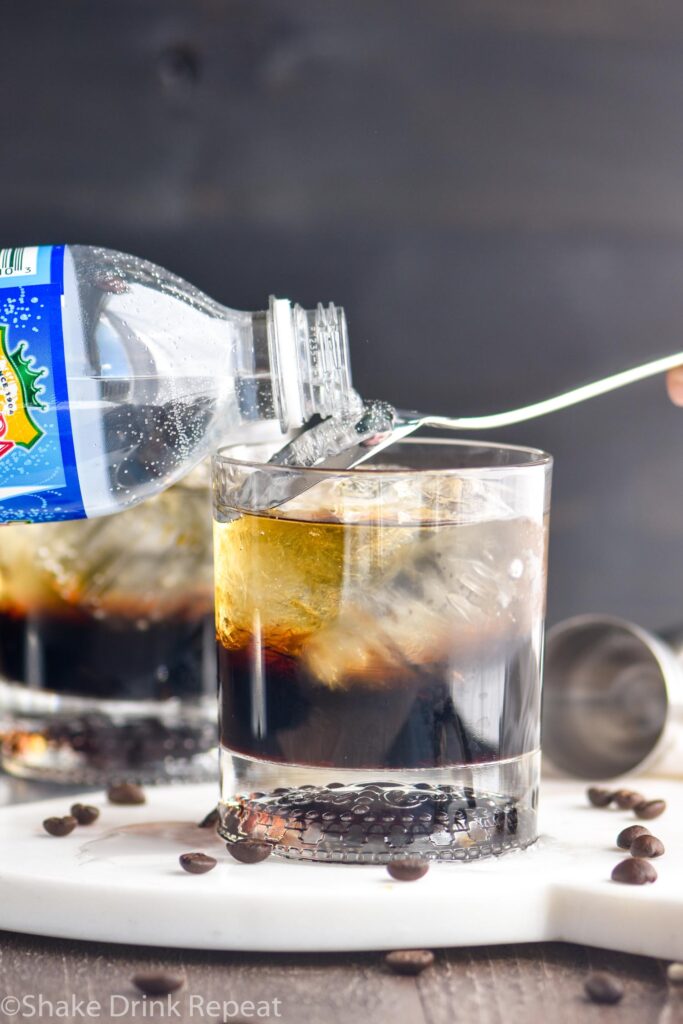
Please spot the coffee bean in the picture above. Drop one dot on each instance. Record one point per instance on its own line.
(211, 819)
(634, 871)
(60, 826)
(649, 809)
(647, 846)
(627, 799)
(248, 852)
(197, 863)
(409, 961)
(85, 814)
(599, 797)
(409, 869)
(627, 835)
(126, 793)
(603, 988)
(158, 983)
(674, 974)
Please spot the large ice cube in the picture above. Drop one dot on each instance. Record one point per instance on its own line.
(146, 563)
(282, 579)
(450, 594)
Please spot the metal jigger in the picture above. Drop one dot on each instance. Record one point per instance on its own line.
(612, 699)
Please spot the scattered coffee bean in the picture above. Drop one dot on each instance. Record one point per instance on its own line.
(674, 974)
(158, 983)
(409, 961)
(627, 835)
(60, 826)
(197, 863)
(599, 797)
(211, 819)
(647, 846)
(649, 809)
(627, 799)
(248, 852)
(634, 871)
(126, 793)
(603, 988)
(85, 814)
(409, 869)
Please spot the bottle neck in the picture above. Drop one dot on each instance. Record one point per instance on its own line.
(310, 363)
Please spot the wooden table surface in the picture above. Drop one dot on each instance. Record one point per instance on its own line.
(534, 984)
(525, 984)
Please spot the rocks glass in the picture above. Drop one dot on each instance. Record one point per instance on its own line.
(379, 647)
(107, 654)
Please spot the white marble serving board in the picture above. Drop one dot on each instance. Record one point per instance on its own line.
(119, 881)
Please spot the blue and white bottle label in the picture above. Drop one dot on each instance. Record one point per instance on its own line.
(38, 475)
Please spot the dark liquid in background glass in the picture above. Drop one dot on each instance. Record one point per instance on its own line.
(114, 661)
(110, 659)
(107, 649)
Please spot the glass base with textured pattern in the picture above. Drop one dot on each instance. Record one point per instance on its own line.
(459, 813)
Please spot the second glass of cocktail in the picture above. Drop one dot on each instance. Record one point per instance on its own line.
(380, 645)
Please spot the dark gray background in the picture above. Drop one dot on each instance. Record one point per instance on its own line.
(494, 191)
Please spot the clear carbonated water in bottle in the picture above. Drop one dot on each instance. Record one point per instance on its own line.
(117, 377)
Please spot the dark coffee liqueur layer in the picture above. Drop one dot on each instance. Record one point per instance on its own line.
(271, 709)
(111, 658)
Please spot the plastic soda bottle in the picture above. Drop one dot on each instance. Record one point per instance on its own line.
(117, 377)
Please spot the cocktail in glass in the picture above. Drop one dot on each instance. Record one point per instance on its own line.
(380, 647)
(107, 656)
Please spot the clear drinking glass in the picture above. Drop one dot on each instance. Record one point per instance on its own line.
(107, 649)
(380, 651)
